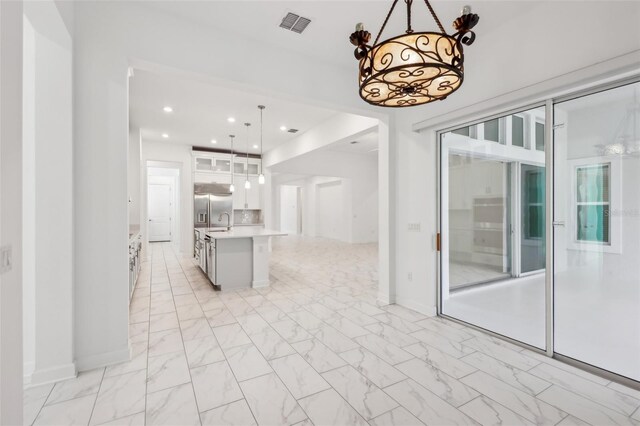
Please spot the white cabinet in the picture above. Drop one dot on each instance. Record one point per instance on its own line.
(203, 163)
(247, 198)
(241, 165)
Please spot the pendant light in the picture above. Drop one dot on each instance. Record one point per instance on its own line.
(247, 184)
(232, 188)
(261, 176)
(416, 67)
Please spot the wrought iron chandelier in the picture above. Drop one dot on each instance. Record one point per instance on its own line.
(416, 67)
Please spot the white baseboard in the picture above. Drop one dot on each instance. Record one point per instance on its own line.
(385, 298)
(417, 306)
(260, 283)
(102, 360)
(52, 374)
(27, 370)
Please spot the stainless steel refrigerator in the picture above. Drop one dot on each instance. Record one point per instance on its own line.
(210, 201)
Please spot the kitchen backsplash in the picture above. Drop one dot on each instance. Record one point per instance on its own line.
(243, 217)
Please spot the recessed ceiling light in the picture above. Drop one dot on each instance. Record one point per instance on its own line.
(167, 109)
(213, 141)
(255, 147)
(283, 128)
(165, 135)
(231, 120)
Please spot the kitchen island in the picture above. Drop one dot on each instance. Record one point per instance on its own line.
(236, 258)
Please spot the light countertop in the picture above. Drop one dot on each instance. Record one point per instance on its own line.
(245, 232)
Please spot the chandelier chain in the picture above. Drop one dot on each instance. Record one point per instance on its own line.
(409, 3)
(435, 17)
(384, 24)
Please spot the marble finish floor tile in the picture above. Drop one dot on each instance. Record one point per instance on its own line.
(203, 351)
(488, 412)
(318, 355)
(372, 367)
(173, 406)
(397, 417)
(120, 396)
(270, 401)
(215, 385)
(529, 407)
(231, 335)
(383, 349)
(298, 376)
(425, 405)
(86, 383)
(246, 362)
(271, 345)
(316, 343)
(70, 412)
(329, 408)
(234, 414)
(446, 387)
(362, 394)
(519, 379)
(583, 408)
(33, 400)
(167, 371)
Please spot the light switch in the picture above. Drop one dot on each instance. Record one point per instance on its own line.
(5, 259)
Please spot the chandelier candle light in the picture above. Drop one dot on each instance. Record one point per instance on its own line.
(247, 184)
(261, 176)
(416, 67)
(232, 188)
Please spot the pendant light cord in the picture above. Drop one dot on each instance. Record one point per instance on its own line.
(435, 17)
(409, 29)
(261, 110)
(384, 24)
(232, 156)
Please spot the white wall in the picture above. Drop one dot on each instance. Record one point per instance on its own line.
(133, 178)
(359, 173)
(11, 211)
(172, 155)
(110, 36)
(48, 203)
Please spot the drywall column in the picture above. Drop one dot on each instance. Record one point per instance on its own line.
(134, 181)
(11, 211)
(48, 87)
(100, 200)
(386, 212)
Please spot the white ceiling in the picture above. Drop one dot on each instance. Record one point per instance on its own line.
(326, 39)
(366, 144)
(200, 112)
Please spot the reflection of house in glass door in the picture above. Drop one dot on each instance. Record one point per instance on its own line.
(493, 222)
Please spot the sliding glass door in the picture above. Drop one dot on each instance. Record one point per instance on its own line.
(493, 225)
(597, 229)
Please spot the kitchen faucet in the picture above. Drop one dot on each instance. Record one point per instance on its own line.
(228, 219)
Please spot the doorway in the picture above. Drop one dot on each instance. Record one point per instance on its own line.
(162, 204)
(492, 225)
(581, 301)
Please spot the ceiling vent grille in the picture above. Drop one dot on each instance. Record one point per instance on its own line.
(292, 130)
(295, 23)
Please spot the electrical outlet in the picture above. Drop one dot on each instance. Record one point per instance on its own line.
(6, 263)
(410, 276)
(415, 227)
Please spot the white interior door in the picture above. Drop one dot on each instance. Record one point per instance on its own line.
(160, 212)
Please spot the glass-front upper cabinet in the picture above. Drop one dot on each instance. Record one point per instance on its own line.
(223, 165)
(204, 164)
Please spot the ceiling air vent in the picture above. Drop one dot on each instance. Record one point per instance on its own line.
(295, 23)
(292, 130)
